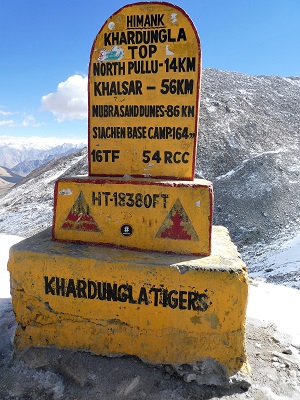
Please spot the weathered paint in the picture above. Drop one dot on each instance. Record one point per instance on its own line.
(168, 216)
(162, 308)
(144, 85)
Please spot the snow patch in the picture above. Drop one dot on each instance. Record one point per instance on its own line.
(244, 162)
(5, 243)
(278, 305)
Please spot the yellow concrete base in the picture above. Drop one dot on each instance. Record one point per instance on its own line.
(168, 216)
(171, 309)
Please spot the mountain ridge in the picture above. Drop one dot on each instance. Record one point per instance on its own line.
(17, 155)
(9, 175)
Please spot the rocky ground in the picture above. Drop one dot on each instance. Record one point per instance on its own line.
(52, 374)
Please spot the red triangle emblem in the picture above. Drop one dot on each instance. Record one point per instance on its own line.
(177, 225)
(80, 218)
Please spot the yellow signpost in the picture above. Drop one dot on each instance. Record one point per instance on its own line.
(181, 308)
(168, 216)
(144, 84)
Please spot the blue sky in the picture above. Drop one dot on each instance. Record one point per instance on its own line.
(47, 43)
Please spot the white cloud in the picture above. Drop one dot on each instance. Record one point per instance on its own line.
(70, 99)
(5, 113)
(29, 120)
(8, 122)
(25, 120)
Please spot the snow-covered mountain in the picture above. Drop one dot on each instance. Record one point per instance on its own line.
(25, 167)
(28, 207)
(248, 146)
(7, 179)
(9, 176)
(25, 154)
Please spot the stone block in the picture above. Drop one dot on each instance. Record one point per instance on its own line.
(163, 308)
(167, 216)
